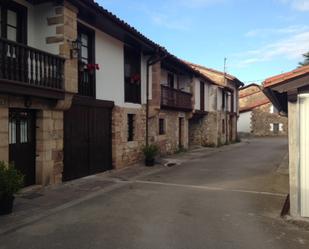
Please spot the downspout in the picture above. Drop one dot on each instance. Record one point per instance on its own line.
(151, 61)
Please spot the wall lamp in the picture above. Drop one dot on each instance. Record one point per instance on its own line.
(76, 47)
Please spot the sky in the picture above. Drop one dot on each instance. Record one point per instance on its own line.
(259, 38)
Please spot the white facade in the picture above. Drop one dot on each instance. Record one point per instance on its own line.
(37, 26)
(209, 99)
(109, 54)
(244, 122)
(181, 81)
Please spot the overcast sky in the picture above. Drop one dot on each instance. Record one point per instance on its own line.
(260, 38)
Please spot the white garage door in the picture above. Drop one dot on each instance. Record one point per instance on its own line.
(304, 154)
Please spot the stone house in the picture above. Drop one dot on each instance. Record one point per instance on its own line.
(72, 89)
(81, 91)
(216, 111)
(289, 93)
(258, 116)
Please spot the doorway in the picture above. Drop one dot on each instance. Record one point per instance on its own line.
(22, 143)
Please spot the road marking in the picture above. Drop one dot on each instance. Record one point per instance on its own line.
(210, 188)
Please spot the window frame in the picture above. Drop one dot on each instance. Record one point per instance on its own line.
(82, 29)
(130, 127)
(21, 22)
(132, 91)
(162, 126)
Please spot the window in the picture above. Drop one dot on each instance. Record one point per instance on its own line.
(202, 96)
(13, 22)
(273, 110)
(161, 126)
(223, 126)
(132, 75)
(131, 118)
(223, 100)
(170, 80)
(86, 76)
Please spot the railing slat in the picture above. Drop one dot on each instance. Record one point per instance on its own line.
(31, 66)
(176, 99)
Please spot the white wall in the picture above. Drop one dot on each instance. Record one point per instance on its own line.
(38, 30)
(184, 81)
(109, 53)
(197, 95)
(244, 122)
(212, 102)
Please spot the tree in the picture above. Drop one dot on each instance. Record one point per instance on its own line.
(306, 60)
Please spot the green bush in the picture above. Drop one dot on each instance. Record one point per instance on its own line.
(11, 180)
(150, 151)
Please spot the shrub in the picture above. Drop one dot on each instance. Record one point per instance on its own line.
(11, 180)
(150, 151)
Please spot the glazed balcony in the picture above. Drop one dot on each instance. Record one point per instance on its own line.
(29, 71)
(175, 99)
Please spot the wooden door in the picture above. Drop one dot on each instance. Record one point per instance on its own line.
(22, 143)
(87, 139)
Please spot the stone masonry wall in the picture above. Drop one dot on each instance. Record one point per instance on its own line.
(261, 120)
(49, 147)
(127, 153)
(203, 131)
(169, 142)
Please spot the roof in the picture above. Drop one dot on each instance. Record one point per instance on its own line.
(134, 32)
(278, 79)
(253, 105)
(215, 75)
(249, 90)
(101, 10)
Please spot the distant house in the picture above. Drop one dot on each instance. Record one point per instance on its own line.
(258, 116)
(289, 92)
(219, 126)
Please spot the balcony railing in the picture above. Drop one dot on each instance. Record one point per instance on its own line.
(22, 66)
(175, 99)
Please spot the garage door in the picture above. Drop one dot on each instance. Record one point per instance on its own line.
(304, 155)
(87, 138)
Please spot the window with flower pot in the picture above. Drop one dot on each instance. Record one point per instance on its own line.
(86, 64)
(132, 75)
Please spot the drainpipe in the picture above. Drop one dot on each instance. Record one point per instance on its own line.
(151, 61)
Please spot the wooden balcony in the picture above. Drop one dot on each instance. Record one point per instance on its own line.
(175, 99)
(29, 71)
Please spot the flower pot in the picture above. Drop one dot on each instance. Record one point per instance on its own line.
(149, 162)
(6, 204)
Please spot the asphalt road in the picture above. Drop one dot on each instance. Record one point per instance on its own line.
(229, 199)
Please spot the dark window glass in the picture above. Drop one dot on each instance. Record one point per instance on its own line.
(223, 99)
(276, 128)
(86, 80)
(223, 126)
(13, 22)
(131, 118)
(161, 126)
(132, 75)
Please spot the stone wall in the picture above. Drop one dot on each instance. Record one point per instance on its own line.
(49, 147)
(169, 142)
(203, 131)
(127, 153)
(261, 120)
